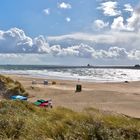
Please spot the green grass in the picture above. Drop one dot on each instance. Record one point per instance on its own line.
(22, 120)
(9, 87)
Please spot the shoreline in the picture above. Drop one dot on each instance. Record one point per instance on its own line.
(68, 78)
(118, 97)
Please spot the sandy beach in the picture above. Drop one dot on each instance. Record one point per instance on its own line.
(120, 97)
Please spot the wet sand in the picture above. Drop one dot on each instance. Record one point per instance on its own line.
(118, 97)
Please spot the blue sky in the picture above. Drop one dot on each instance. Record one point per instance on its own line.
(29, 16)
(87, 31)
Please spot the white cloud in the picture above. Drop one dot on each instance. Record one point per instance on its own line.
(132, 23)
(111, 53)
(110, 8)
(129, 40)
(10, 56)
(79, 50)
(40, 45)
(82, 51)
(134, 55)
(118, 24)
(46, 11)
(68, 19)
(15, 40)
(100, 24)
(120, 45)
(87, 51)
(64, 5)
(128, 7)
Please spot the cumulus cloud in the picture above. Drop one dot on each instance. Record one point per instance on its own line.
(134, 55)
(64, 5)
(128, 7)
(109, 8)
(81, 50)
(15, 42)
(132, 23)
(46, 11)
(68, 19)
(87, 51)
(118, 24)
(100, 24)
(40, 45)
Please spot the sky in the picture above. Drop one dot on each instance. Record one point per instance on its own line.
(70, 32)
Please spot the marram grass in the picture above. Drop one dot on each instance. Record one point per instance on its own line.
(9, 87)
(22, 120)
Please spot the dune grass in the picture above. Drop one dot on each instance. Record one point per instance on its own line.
(9, 87)
(22, 120)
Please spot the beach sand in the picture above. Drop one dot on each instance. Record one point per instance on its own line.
(120, 97)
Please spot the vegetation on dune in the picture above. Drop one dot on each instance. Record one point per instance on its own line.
(22, 120)
(9, 87)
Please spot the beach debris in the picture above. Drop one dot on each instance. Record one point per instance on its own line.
(78, 88)
(126, 81)
(34, 82)
(44, 103)
(45, 82)
(18, 97)
(53, 83)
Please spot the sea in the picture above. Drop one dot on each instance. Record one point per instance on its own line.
(73, 73)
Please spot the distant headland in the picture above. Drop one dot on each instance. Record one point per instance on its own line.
(41, 67)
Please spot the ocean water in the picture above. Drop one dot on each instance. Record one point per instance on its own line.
(84, 74)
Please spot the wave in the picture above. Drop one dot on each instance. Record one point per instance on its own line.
(85, 74)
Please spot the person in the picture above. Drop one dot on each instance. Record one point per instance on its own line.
(78, 80)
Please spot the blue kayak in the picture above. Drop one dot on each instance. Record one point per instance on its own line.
(18, 97)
